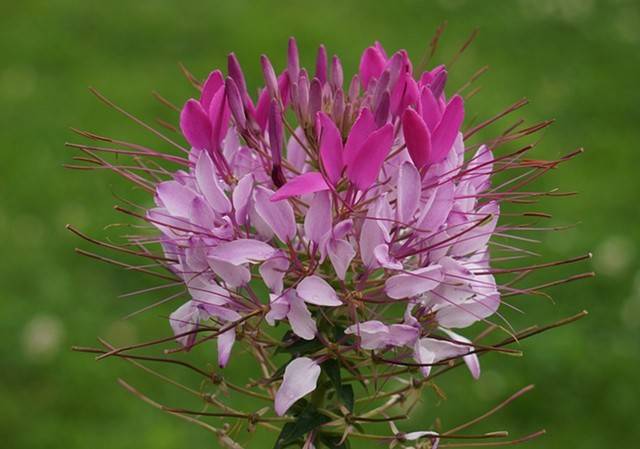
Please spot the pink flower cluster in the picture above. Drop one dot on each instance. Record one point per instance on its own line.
(356, 205)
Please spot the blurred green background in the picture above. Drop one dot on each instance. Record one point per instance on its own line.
(577, 60)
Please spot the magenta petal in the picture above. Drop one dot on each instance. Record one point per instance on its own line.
(277, 215)
(317, 222)
(219, 115)
(414, 283)
(315, 290)
(372, 64)
(241, 251)
(361, 129)
(445, 133)
(409, 191)
(330, 148)
(207, 180)
(195, 125)
(416, 137)
(430, 109)
(300, 185)
(214, 82)
(300, 378)
(368, 162)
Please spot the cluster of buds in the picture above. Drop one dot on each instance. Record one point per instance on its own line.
(346, 226)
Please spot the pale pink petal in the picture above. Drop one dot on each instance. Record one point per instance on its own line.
(409, 190)
(368, 162)
(384, 259)
(273, 271)
(201, 215)
(341, 253)
(466, 313)
(414, 283)
(296, 155)
(176, 198)
(185, 319)
(317, 222)
(438, 208)
(278, 309)
(361, 129)
(477, 237)
(445, 133)
(205, 291)
(195, 124)
(300, 319)
(233, 275)
(300, 378)
(225, 344)
(330, 147)
(278, 215)
(402, 335)
(300, 185)
(417, 137)
(373, 334)
(315, 290)
(241, 251)
(241, 197)
(471, 360)
(209, 185)
(428, 351)
(479, 169)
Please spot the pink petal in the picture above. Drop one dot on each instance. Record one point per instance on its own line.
(478, 171)
(466, 313)
(409, 191)
(436, 212)
(368, 162)
(330, 148)
(416, 137)
(301, 185)
(476, 239)
(241, 251)
(195, 125)
(316, 290)
(445, 133)
(278, 215)
(341, 253)
(317, 222)
(300, 379)
(384, 259)
(207, 180)
(225, 344)
(214, 82)
(414, 283)
(300, 319)
(430, 350)
(372, 64)
(361, 129)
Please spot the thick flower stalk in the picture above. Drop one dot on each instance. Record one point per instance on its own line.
(346, 225)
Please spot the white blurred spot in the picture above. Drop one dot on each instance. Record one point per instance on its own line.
(613, 256)
(42, 337)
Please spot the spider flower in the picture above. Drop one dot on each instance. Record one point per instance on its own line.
(372, 200)
(355, 216)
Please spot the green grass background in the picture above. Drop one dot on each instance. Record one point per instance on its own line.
(577, 60)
